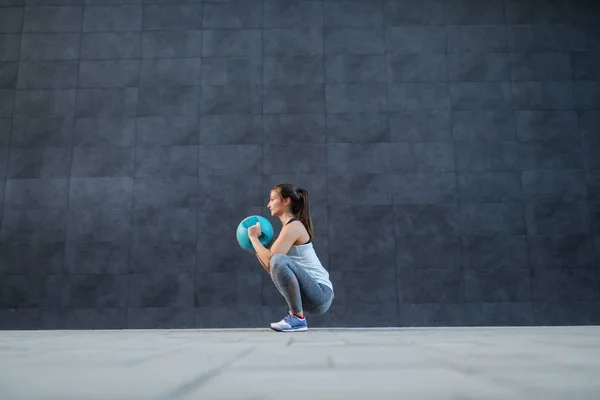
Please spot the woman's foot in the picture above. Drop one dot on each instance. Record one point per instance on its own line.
(290, 323)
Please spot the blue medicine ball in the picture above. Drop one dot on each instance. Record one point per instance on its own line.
(266, 230)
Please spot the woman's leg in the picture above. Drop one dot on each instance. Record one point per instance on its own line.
(299, 289)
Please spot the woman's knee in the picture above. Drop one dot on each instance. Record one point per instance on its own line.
(278, 265)
(277, 261)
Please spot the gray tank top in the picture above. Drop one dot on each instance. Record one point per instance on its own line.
(304, 256)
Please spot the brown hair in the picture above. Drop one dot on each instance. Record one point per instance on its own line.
(299, 204)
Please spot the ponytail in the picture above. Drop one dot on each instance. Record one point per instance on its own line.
(304, 211)
(300, 204)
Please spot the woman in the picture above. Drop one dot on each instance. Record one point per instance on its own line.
(291, 260)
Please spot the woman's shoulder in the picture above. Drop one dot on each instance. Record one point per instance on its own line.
(297, 229)
(294, 223)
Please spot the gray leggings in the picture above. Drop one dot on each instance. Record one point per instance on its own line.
(299, 289)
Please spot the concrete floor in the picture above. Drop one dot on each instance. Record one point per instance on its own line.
(419, 363)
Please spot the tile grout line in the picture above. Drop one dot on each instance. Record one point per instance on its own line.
(327, 208)
(392, 174)
(63, 307)
(523, 202)
(10, 137)
(195, 384)
(199, 204)
(132, 205)
(262, 143)
(459, 232)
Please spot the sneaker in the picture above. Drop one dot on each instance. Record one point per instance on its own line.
(290, 323)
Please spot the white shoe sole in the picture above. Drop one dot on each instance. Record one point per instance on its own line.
(304, 329)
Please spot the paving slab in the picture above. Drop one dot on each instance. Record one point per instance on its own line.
(341, 363)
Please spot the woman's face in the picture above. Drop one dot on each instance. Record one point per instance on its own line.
(276, 204)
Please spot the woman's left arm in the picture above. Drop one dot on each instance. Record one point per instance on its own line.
(282, 245)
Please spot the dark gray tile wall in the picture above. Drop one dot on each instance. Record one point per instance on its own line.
(451, 149)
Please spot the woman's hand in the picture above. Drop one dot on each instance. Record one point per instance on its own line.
(254, 231)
